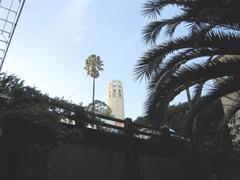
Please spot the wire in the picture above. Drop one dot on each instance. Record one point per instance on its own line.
(75, 93)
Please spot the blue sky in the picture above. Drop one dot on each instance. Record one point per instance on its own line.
(53, 39)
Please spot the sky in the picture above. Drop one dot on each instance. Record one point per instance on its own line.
(54, 38)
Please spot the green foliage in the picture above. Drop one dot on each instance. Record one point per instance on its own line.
(34, 106)
(176, 117)
(100, 108)
(206, 122)
(93, 65)
(142, 120)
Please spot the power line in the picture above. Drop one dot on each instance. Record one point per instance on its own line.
(75, 93)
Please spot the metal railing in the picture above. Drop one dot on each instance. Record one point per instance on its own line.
(124, 127)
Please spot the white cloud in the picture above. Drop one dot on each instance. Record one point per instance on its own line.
(72, 19)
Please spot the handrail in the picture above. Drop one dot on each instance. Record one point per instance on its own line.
(106, 125)
(109, 118)
(129, 129)
(147, 134)
(145, 126)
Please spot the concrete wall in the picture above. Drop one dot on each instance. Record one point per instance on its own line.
(167, 168)
(75, 162)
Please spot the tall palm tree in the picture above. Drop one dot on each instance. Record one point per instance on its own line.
(213, 32)
(93, 65)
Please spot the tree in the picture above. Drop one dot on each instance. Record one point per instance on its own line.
(93, 65)
(29, 120)
(30, 104)
(207, 51)
(177, 114)
(142, 120)
(100, 108)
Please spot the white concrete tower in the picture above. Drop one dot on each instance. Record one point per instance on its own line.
(115, 98)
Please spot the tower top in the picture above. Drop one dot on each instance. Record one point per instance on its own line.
(114, 82)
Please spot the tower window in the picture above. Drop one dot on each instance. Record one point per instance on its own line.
(114, 92)
(119, 93)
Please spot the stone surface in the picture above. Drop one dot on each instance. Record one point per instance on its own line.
(116, 98)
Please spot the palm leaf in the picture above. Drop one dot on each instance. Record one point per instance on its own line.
(151, 60)
(190, 73)
(189, 76)
(221, 89)
(153, 8)
(199, 87)
(153, 29)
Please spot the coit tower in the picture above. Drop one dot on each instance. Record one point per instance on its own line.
(115, 98)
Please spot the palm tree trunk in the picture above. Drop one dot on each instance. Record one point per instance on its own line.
(190, 119)
(189, 99)
(93, 96)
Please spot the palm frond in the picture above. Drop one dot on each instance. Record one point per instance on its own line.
(151, 60)
(153, 8)
(188, 76)
(198, 88)
(153, 29)
(196, 24)
(175, 62)
(183, 57)
(230, 26)
(202, 28)
(93, 64)
(221, 89)
(194, 72)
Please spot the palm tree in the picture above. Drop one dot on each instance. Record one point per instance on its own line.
(214, 32)
(93, 65)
